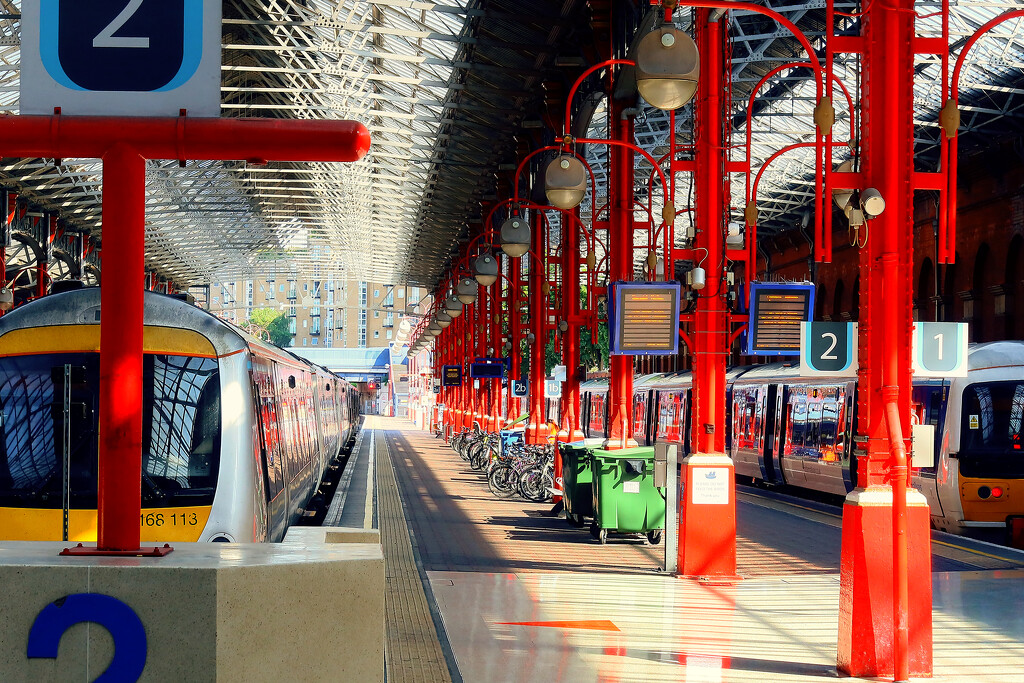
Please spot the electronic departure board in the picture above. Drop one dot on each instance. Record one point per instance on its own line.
(644, 318)
(487, 368)
(776, 311)
(451, 375)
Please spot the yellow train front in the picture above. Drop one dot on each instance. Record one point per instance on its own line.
(236, 433)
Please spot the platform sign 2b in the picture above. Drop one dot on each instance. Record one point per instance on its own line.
(940, 349)
(828, 349)
(520, 389)
(121, 57)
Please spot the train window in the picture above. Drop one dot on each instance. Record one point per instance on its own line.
(181, 430)
(181, 433)
(992, 429)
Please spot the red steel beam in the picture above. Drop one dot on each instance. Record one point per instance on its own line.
(124, 144)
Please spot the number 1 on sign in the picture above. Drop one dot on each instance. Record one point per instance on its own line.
(938, 338)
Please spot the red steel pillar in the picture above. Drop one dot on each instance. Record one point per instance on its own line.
(570, 427)
(497, 306)
(620, 267)
(120, 427)
(537, 428)
(516, 336)
(885, 626)
(707, 521)
(43, 268)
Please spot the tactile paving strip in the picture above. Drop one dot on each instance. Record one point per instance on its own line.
(413, 653)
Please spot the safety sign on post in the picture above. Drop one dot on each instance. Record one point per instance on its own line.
(95, 57)
(828, 349)
(940, 349)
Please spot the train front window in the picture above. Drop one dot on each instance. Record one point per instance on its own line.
(992, 426)
(180, 422)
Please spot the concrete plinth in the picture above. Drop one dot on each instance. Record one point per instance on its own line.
(210, 612)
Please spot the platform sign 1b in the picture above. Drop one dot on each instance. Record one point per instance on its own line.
(552, 389)
(121, 57)
(828, 349)
(940, 349)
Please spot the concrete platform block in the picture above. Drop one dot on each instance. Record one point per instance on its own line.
(305, 535)
(209, 612)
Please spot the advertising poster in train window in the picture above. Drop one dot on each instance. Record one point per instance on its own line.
(776, 311)
(643, 318)
(131, 58)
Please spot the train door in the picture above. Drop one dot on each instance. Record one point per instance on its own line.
(767, 396)
(640, 417)
(927, 408)
(779, 432)
(270, 429)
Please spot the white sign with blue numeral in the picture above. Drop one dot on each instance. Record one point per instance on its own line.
(121, 57)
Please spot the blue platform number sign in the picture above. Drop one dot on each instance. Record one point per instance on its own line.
(121, 57)
(940, 349)
(124, 625)
(520, 389)
(828, 349)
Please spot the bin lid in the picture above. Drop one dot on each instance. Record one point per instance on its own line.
(626, 453)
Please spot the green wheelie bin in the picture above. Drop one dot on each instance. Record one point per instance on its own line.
(577, 484)
(625, 497)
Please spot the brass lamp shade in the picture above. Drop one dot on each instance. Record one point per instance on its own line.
(443, 319)
(565, 182)
(486, 270)
(667, 66)
(434, 329)
(453, 306)
(466, 290)
(515, 237)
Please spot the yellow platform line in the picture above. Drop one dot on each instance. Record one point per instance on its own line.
(412, 650)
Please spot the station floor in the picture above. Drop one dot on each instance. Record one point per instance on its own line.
(488, 590)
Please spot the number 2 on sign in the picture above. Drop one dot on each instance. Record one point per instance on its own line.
(828, 355)
(106, 37)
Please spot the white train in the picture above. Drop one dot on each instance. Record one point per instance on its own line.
(237, 434)
(798, 431)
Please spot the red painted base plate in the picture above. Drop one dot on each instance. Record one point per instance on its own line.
(92, 551)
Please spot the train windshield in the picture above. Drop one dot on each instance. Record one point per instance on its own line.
(992, 429)
(49, 413)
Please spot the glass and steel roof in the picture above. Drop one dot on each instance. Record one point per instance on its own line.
(452, 92)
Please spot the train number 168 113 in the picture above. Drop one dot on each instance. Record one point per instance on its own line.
(169, 519)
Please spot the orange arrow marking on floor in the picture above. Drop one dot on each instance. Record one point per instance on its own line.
(590, 625)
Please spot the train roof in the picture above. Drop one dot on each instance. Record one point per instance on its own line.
(82, 307)
(995, 355)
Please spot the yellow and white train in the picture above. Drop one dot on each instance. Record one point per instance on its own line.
(237, 434)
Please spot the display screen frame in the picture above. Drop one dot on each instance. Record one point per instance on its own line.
(620, 325)
(758, 316)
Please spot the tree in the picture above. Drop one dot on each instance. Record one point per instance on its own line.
(280, 331)
(273, 323)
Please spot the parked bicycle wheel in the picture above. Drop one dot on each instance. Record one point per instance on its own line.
(503, 481)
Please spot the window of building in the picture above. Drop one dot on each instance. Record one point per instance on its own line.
(305, 341)
(401, 294)
(281, 289)
(305, 324)
(362, 293)
(376, 334)
(389, 334)
(314, 341)
(376, 314)
(376, 294)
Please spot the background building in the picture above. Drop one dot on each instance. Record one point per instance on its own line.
(321, 312)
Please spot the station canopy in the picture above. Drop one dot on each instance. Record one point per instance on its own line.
(452, 92)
